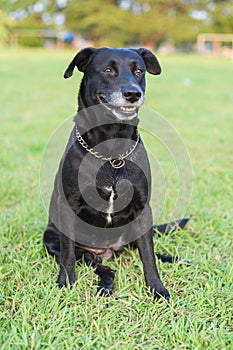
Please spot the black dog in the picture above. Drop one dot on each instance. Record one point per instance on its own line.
(113, 86)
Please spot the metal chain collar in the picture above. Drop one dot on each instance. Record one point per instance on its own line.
(116, 163)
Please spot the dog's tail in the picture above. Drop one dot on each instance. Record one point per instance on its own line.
(166, 229)
(171, 226)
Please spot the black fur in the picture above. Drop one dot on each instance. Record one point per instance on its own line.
(111, 76)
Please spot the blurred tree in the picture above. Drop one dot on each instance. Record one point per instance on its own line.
(164, 20)
(221, 17)
(151, 23)
(5, 28)
(125, 22)
(100, 23)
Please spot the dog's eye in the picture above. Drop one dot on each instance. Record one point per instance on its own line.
(138, 71)
(108, 70)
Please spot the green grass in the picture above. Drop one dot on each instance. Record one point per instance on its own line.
(34, 314)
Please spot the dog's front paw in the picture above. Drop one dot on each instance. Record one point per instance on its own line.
(160, 292)
(64, 275)
(61, 282)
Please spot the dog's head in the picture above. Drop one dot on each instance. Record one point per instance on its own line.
(114, 77)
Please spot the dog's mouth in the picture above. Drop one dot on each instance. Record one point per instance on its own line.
(121, 112)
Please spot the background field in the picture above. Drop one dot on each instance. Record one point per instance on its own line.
(195, 94)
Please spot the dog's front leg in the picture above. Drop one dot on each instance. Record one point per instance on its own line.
(67, 262)
(146, 250)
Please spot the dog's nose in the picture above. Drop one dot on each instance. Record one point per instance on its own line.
(132, 94)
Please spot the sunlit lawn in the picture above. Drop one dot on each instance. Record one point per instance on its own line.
(195, 95)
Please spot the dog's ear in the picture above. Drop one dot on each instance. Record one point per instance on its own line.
(151, 62)
(80, 61)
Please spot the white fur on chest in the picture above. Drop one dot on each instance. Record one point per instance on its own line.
(110, 208)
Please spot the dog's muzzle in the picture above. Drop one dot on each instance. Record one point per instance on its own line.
(123, 105)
